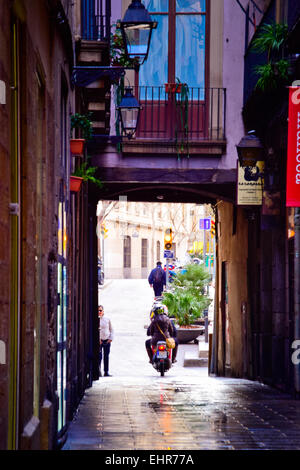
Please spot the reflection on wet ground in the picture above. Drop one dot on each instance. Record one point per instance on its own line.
(206, 413)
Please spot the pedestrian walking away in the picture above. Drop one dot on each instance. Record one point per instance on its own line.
(157, 279)
(105, 338)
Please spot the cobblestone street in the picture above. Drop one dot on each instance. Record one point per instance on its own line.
(136, 409)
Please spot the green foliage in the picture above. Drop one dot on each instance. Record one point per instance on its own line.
(193, 280)
(270, 39)
(275, 72)
(186, 301)
(117, 52)
(87, 173)
(272, 74)
(82, 122)
(183, 103)
(183, 306)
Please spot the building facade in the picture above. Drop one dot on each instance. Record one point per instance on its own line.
(39, 335)
(257, 327)
(131, 235)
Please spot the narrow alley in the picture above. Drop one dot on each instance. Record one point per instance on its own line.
(136, 409)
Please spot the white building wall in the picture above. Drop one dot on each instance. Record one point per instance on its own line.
(144, 221)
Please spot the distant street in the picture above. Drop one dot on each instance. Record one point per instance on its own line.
(128, 303)
(137, 409)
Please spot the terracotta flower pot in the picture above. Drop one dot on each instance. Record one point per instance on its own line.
(76, 146)
(173, 87)
(75, 183)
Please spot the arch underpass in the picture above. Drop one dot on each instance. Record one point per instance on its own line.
(201, 178)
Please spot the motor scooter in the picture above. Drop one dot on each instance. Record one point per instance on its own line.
(162, 357)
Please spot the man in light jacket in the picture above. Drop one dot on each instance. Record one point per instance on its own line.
(105, 339)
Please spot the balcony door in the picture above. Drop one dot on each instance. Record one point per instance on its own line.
(177, 51)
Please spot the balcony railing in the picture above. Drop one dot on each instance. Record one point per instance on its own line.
(95, 20)
(164, 116)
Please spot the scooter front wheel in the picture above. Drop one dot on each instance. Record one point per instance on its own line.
(162, 369)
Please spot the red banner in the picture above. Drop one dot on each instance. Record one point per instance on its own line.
(293, 156)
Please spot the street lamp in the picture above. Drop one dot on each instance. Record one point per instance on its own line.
(250, 150)
(136, 28)
(129, 110)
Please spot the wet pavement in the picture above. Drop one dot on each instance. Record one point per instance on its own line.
(136, 409)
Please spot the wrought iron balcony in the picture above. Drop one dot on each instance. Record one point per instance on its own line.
(95, 20)
(167, 117)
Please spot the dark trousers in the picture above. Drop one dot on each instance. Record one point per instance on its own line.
(158, 288)
(104, 351)
(150, 353)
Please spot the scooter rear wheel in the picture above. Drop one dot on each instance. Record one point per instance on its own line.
(162, 369)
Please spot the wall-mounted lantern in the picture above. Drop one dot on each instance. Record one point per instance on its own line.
(250, 150)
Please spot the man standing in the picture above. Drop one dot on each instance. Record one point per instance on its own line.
(105, 338)
(157, 279)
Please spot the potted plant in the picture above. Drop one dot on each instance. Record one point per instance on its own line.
(174, 87)
(187, 300)
(75, 183)
(83, 124)
(86, 173)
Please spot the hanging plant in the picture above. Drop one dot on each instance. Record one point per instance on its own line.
(182, 102)
(271, 75)
(275, 72)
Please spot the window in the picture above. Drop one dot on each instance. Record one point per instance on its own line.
(182, 53)
(127, 252)
(144, 257)
(158, 251)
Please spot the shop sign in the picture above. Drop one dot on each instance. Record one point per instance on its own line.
(293, 151)
(250, 185)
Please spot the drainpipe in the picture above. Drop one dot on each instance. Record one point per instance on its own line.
(14, 366)
(297, 292)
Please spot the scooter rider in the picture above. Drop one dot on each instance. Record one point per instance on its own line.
(160, 319)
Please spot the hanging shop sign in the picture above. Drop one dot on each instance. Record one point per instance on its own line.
(293, 155)
(250, 184)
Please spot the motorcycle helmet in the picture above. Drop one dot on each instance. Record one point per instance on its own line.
(158, 310)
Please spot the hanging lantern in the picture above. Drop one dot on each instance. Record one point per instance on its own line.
(136, 28)
(129, 110)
